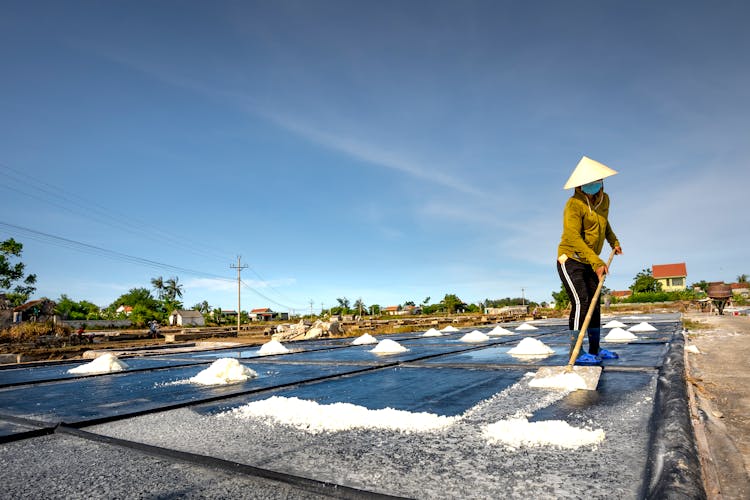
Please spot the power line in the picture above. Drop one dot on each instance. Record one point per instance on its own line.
(53, 195)
(269, 299)
(57, 197)
(104, 252)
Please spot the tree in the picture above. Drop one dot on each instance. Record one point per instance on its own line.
(158, 284)
(202, 307)
(360, 306)
(11, 274)
(703, 285)
(426, 301)
(343, 307)
(409, 303)
(644, 282)
(562, 301)
(742, 278)
(172, 289)
(70, 309)
(452, 303)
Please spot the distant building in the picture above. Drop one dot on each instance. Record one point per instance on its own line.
(741, 289)
(266, 314)
(621, 294)
(36, 310)
(126, 310)
(673, 277)
(391, 310)
(506, 310)
(185, 317)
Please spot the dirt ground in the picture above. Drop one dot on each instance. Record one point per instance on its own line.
(720, 378)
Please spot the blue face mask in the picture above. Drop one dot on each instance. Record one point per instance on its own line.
(592, 187)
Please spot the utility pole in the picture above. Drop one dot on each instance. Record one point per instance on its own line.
(311, 305)
(239, 268)
(523, 297)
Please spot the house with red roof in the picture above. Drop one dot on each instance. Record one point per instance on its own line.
(742, 289)
(391, 310)
(266, 314)
(673, 277)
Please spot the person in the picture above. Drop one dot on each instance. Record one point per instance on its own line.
(585, 228)
(153, 327)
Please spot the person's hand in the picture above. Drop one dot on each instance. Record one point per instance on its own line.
(601, 271)
(618, 250)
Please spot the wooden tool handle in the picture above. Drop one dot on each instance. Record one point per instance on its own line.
(587, 320)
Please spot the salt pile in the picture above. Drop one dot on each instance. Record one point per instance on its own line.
(619, 335)
(475, 336)
(315, 418)
(106, 363)
(693, 348)
(642, 327)
(526, 326)
(531, 347)
(449, 328)
(636, 317)
(614, 324)
(518, 432)
(365, 339)
(499, 330)
(388, 346)
(272, 347)
(224, 371)
(432, 333)
(563, 381)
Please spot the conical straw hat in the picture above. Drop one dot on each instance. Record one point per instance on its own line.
(586, 171)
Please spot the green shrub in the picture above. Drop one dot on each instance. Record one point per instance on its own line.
(645, 297)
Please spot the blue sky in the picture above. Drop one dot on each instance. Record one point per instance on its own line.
(388, 151)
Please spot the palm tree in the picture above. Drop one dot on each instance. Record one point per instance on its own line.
(742, 278)
(158, 284)
(202, 307)
(359, 306)
(344, 305)
(172, 289)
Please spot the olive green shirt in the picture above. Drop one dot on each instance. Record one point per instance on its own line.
(585, 227)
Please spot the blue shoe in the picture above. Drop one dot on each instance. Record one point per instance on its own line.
(588, 359)
(605, 354)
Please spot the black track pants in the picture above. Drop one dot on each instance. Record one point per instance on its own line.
(580, 281)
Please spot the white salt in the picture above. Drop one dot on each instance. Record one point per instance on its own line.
(388, 346)
(449, 328)
(518, 432)
(565, 381)
(614, 324)
(693, 349)
(272, 347)
(106, 363)
(526, 326)
(365, 339)
(642, 327)
(636, 317)
(314, 418)
(432, 333)
(224, 371)
(531, 347)
(475, 336)
(499, 330)
(619, 335)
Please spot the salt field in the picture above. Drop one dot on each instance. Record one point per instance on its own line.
(435, 417)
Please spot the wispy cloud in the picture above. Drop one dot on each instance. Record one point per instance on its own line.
(378, 155)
